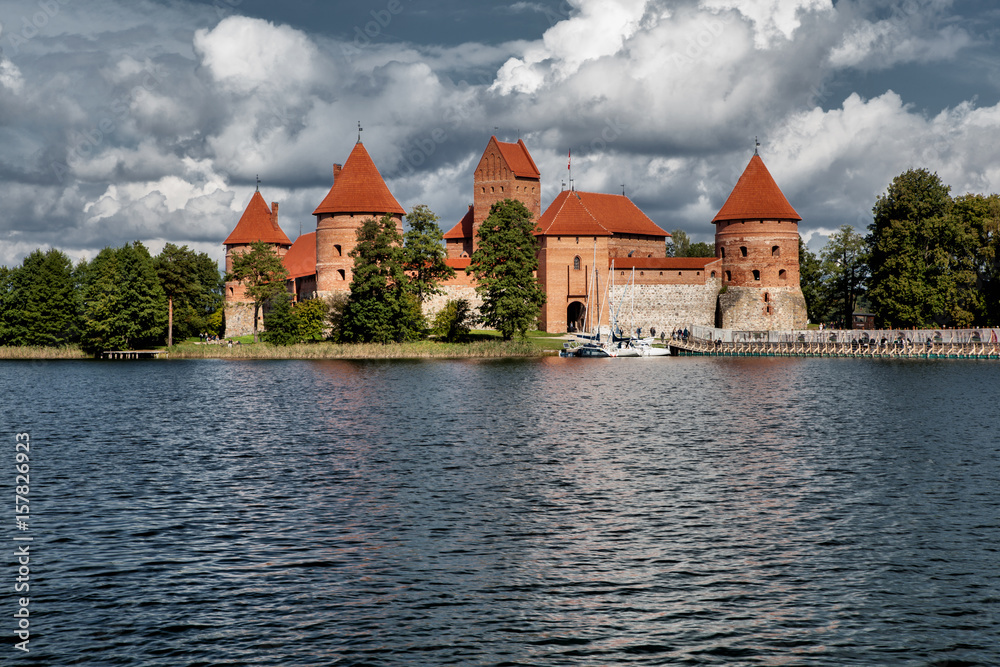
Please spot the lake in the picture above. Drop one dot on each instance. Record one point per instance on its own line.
(683, 511)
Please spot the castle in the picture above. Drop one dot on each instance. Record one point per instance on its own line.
(752, 283)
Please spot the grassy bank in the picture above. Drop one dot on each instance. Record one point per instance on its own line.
(485, 344)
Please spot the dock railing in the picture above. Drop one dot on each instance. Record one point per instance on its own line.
(952, 343)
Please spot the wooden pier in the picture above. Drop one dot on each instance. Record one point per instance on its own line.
(873, 349)
(133, 354)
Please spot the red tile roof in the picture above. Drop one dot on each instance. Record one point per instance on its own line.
(458, 262)
(463, 230)
(567, 216)
(257, 224)
(517, 158)
(756, 197)
(614, 213)
(300, 260)
(359, 188)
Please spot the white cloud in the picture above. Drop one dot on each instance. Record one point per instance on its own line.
(246, 54)
(772, 19)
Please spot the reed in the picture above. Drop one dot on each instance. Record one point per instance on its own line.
(30, 352)
(324, 350)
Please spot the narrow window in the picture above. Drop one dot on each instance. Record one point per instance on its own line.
(578, 240)
(767, 297)
(340, 251)
(713, 274)
(756, 274)
(743, 250)
(722, 250)
(576, 263)
(783, 275)
(343, 276)
(729, 276)
(776, 251)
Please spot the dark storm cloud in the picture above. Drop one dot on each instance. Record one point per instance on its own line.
(153, 120)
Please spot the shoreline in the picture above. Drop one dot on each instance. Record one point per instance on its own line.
(493, 349)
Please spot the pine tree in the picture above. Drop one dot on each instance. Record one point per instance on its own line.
(504, 266)
(123, 303)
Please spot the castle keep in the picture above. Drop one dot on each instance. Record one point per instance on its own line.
(752, 283)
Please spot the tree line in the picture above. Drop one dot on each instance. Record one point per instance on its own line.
(928, 260)
(121, 299)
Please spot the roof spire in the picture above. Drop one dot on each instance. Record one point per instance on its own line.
(360, 129)
(258, 182)
(756, 145)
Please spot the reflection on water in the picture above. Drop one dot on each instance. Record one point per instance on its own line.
(535, 512)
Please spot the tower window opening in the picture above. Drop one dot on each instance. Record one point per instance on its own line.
(767, 297)
(783, 275)
(340, 251)
(342, 274)
(776, 251)
(722, 252)
(743, 250)
(576, 263)
(756, 274)
(729, 276)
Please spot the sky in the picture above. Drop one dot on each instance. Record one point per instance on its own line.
(152, 120)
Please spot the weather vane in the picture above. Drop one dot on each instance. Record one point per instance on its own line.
(258, 182)
(756, 145)
(360, 129)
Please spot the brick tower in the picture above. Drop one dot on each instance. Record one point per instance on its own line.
(258, 223)
(358, 194)
(757, 238)
(505, 171)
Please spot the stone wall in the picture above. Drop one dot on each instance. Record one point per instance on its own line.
(757, 309)
(666, 307)
(239, 319)
(437, 302)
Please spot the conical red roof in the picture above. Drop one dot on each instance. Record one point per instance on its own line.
(756, 197)
(359, 188)
(257, 224)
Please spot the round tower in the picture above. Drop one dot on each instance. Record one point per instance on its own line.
(757, 238)
(358, 194)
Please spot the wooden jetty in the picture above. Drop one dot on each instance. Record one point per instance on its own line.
(895, 344)
(134, 354)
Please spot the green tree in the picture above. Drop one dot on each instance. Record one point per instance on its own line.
(123, 303)
(700, 249)
(182, 276)
(678, 243)
(454, 322)
(907, 261)
(42, 304)
(381, 308)
(336, 304)
(311, 317)
(424, 254)
(504, 266)
(262, 273)
(281, 327)
(6, 304)
(845, 263)
(979, 217)
(812, 280)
